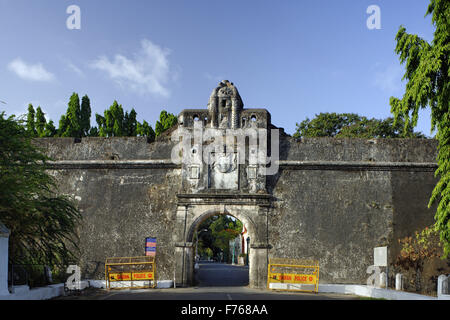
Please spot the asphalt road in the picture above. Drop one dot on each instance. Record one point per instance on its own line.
(214, 281)
(221, 275)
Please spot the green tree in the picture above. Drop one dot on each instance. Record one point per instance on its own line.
(93, 132)
(116, 123)
(221, 229)
(351, 125)
(130, 123)
(374, 128)
(50, 130)
(42, 224)
(70, 123)
(101, 122)
(76, 122)
(41, 122)
(112, 123)
(427, 75)
(73, 117)
(165, 122)
(115, 116)
(31, 125)
(62, 126)
(145, 130)
(85, 116)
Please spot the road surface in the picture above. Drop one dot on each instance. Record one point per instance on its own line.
(212, 274)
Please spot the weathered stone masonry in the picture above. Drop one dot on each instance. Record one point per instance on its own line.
(332, 199)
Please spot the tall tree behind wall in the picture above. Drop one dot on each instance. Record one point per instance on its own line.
(427, 75)
(85, 116)
(165, 122)
(351, 125)
(30, 124)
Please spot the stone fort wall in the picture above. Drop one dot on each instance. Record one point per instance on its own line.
(332, 199)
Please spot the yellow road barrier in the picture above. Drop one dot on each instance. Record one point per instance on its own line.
(131, 269)
(293, 275)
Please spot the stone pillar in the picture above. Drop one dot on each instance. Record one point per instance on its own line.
(4, 238)
(258, 265)
(214, 113)
(235, 116)
(442, 287)
(181, 245)
(259, 249)
(398, 281)
(184, 264)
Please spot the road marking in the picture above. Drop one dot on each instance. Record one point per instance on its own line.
(229, 297)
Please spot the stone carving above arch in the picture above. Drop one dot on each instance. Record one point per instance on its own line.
(225, 163)
(224, 171)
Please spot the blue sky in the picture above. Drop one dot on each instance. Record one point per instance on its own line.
(295, 58)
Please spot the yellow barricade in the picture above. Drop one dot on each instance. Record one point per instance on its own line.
(130, 269)
(293, 275)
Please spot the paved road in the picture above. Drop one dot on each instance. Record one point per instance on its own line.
(215, 293)
(215, 281)
(221, 275)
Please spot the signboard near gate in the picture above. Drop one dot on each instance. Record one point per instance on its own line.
(380, 256)
(150, 247)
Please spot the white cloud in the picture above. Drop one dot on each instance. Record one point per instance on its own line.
(33, 72)
(389, 79)
(147, 72)
(70, 66)
(75, 69)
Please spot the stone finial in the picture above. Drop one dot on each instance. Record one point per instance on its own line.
(225, 105)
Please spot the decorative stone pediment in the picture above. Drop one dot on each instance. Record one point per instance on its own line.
(221, 143)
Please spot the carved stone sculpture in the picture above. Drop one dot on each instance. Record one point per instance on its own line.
(224, 106)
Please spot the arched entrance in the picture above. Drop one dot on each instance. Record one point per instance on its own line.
(219, 241)
(189, 218)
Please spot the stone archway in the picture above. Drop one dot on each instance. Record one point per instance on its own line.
(211, 213)
(190, 216)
